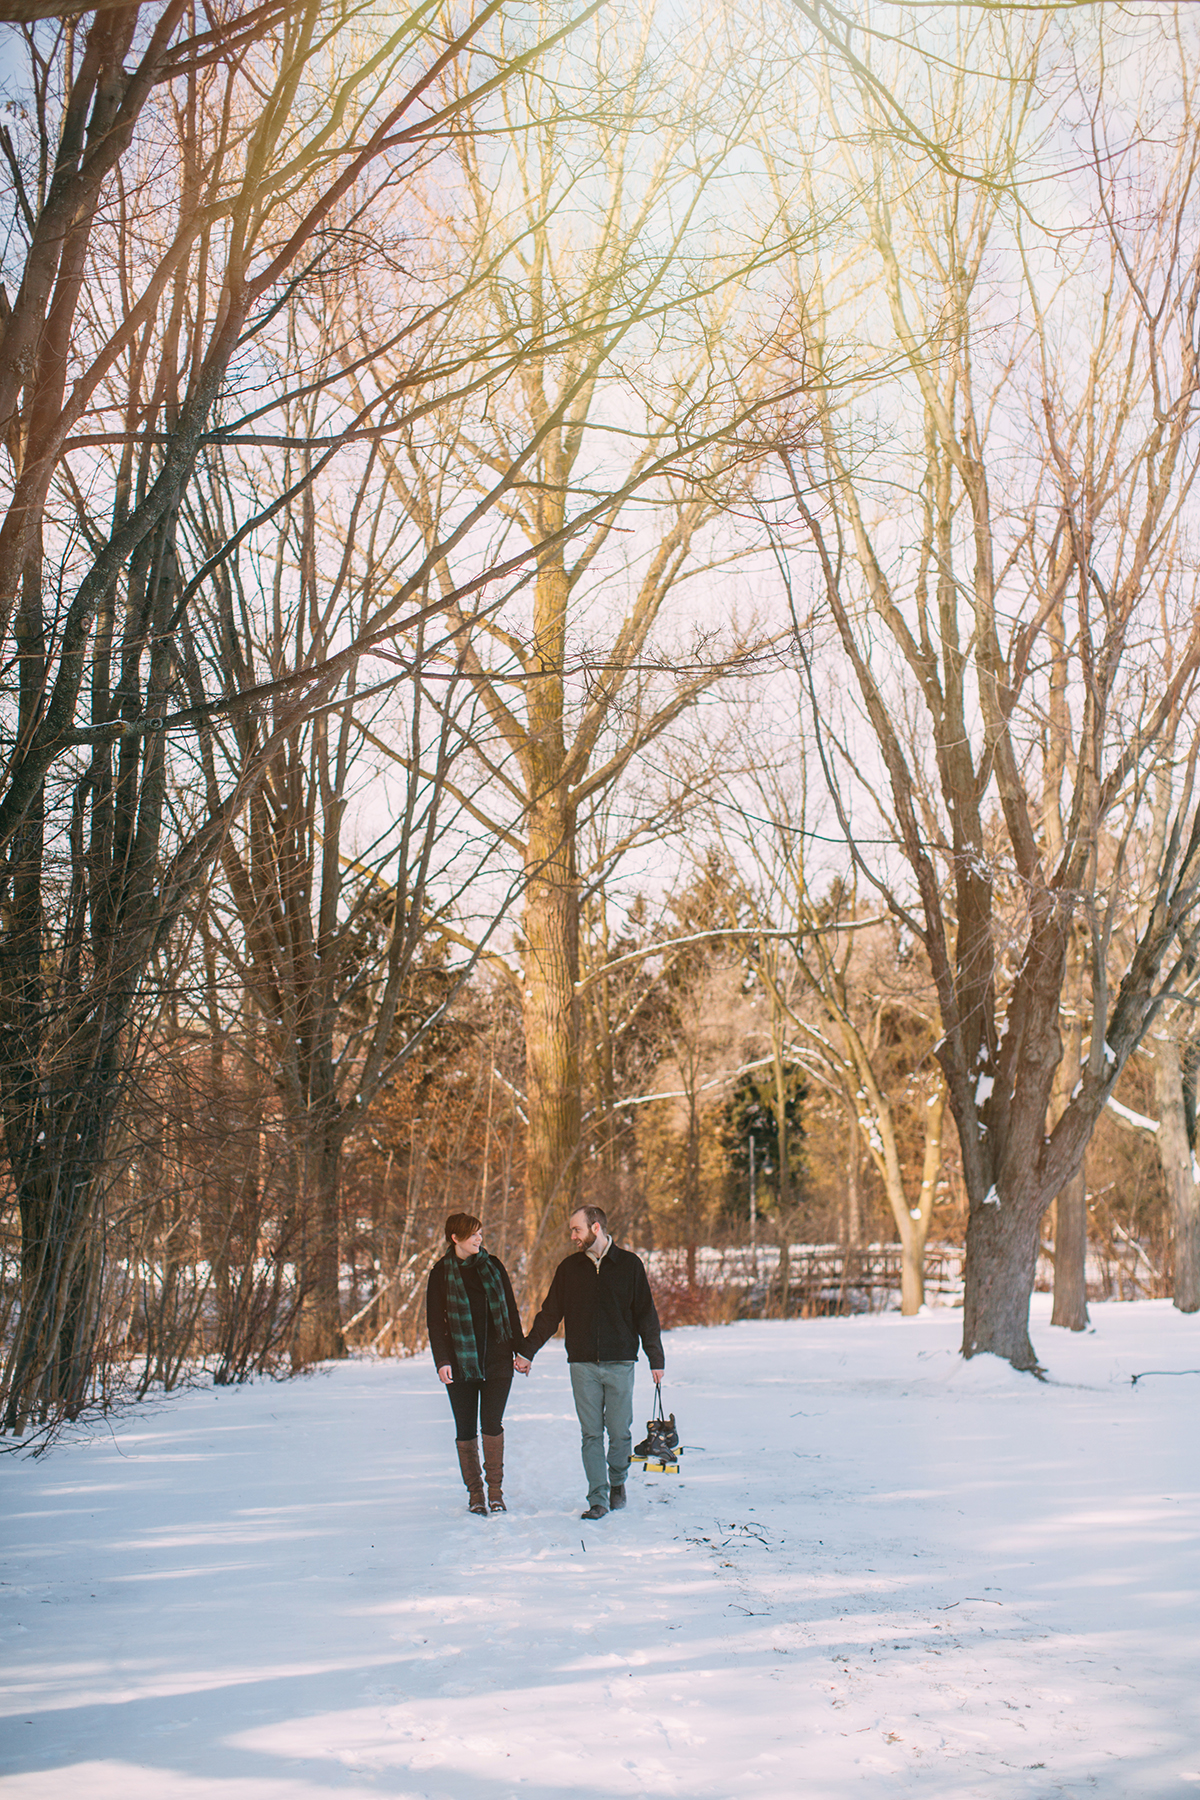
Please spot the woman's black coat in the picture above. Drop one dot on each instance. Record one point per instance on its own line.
(494, 1351)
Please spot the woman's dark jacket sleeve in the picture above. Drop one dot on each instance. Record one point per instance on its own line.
(436, 1322)
(517, 1339)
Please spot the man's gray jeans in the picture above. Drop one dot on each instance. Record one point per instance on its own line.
(604, 1401)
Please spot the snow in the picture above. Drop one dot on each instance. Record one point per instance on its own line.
(886, 1573)
(1138, 1120)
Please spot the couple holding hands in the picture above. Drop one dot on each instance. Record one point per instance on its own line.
(600, 1292)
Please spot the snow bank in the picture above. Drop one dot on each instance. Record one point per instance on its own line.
(885, 1573)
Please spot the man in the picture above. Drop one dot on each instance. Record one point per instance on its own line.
(604, 1296)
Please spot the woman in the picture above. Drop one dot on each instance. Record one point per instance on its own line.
(474, 1331)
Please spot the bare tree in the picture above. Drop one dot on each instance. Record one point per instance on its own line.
(613, 455)
(1005, 575)
(179, 178)
(347, 869)
(850, 1001)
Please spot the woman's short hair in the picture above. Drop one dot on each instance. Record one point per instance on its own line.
(461, 1225)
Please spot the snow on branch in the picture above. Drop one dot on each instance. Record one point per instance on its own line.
(1135, 1120)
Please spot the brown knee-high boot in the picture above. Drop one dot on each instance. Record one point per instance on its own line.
(493, 1462)
(472, 1474)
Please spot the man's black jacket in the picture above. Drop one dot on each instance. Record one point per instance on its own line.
(607, 1309)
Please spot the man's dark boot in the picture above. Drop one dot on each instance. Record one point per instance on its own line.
(472, 1474)
(616, 1496)
(493, 1465)
(595, 1512)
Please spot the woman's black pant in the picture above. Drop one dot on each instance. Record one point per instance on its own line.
(481, 1403)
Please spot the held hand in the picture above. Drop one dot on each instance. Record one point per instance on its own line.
(522, 1364)
(656, 1376)
(446, 1374)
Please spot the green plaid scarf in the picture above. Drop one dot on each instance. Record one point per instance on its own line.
(458, 1310)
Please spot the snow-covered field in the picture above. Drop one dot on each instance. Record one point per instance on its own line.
(885, 1573)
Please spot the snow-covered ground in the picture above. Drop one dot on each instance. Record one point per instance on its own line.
(885, 1573)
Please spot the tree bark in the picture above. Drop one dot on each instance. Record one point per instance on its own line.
(1070, 1255)
(912, 1273)
(551, 1018)
(319, 1327)
(1002, 1246)
(1070, 1207)
(853, 1216)
(914, 1230)
(1179, 1171)
(58, 1182)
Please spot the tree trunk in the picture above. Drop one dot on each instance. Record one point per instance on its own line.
(913, 1222)
(52, 1357)
(551, 1018)
(782, 1148)
(1179, 1171)
(853, 1219)
(1002, 1242)
(912, 1266)
(318, 1336)
(784, 1271)
(1070, 1207)
(1070, 1255)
